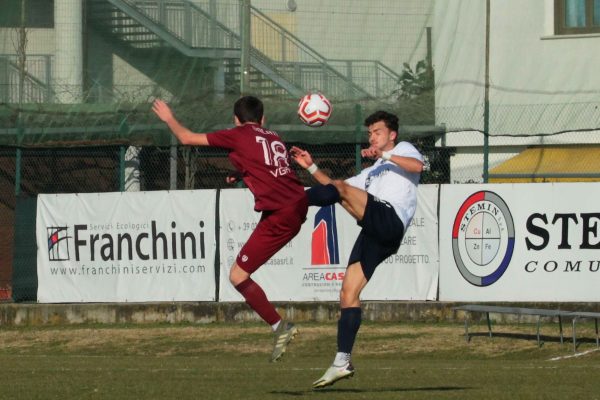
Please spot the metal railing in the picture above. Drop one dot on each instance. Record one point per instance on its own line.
(189, 23)
(275, 51)
(373, 76)
(35, 79)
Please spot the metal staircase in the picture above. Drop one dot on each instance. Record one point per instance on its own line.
(35, 81)
(292, 69)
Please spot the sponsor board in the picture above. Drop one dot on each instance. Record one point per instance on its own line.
(520, 242)
(312, 266)
(126, 247)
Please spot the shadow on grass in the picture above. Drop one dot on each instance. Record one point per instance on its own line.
(371, 390)
(522, 336)
(581, 341)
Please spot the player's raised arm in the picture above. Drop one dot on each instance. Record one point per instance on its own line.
(304, 159)
(409, 164)
(183, 134)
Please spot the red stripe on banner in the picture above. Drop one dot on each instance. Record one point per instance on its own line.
(319, 253)
(463, 209)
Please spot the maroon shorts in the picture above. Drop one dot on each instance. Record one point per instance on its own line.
(274, 230)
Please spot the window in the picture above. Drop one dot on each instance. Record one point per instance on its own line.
(38, 13)
(572, 17)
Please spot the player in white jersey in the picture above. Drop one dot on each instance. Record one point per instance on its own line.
(383, 200)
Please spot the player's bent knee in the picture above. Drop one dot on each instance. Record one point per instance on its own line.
(237, 275)
(349, 298)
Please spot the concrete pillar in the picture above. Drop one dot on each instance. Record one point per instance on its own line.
(68, 60)
(132, 169)
(219, 79)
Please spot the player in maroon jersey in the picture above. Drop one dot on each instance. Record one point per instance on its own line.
(262, 159)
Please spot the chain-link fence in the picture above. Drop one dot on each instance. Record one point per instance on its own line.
(27, 172)
(486, 93)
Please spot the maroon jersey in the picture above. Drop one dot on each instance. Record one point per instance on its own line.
(261, 157)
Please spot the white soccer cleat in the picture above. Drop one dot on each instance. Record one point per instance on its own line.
(334, 374)
(282, 337)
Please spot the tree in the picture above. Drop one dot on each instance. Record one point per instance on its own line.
(413, 83)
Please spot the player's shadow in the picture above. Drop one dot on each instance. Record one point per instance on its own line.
(371, 390)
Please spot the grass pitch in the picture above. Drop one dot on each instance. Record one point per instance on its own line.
(230, 361)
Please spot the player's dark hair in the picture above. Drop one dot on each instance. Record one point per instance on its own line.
(248, 109)
(390, 120)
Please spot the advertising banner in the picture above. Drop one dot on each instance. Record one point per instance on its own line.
(126, 247)
(312, 266)
(413, 273)
(520, 242)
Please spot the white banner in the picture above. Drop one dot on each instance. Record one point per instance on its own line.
(312, 266)
(520, 242)
(413, 273)
(126, 247)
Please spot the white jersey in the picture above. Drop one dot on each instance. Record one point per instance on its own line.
(389, 182)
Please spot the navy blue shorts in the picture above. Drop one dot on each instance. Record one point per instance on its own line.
(380, 237)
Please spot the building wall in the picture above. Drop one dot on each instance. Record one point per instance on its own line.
(112, 78)
(466, 164)
(539, 82)
(543, 87)
(39, 41)
(391, 31)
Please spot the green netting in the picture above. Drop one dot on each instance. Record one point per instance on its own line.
(475, 84)
(90, 124)
(24, 275)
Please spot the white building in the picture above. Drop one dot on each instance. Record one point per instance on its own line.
(543, 77)
(91, 51)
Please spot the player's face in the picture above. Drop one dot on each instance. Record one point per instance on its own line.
(381, 137)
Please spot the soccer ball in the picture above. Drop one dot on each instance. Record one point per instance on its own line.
(314, 109)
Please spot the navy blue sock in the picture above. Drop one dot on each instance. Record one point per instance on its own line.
(348, 326)
(323, 195)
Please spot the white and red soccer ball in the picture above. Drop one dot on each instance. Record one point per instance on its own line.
(314, 109)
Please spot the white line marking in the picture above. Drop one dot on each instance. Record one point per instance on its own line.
(573, 355)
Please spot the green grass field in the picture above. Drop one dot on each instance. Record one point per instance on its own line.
(230, 361)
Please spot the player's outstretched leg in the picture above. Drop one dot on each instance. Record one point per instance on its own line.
(283, 335)
(322, 195)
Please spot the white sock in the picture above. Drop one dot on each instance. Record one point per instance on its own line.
(275, 325)
(341, 359)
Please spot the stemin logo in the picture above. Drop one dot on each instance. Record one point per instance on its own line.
(483, 238)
